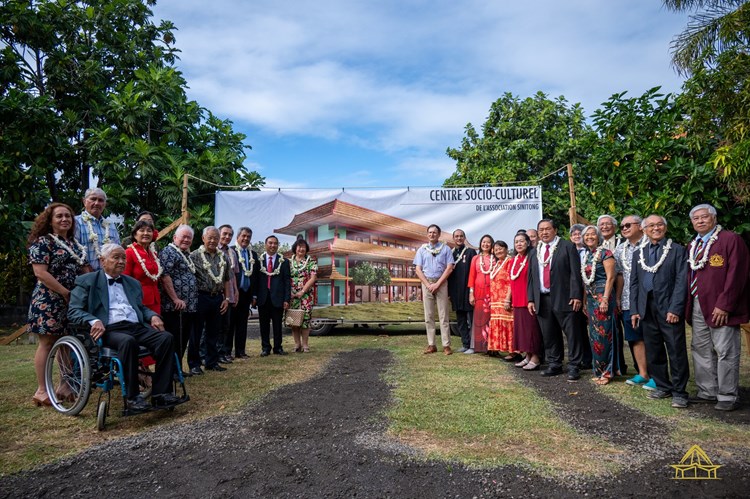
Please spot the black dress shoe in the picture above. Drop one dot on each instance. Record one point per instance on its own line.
(165, 399)
(726, 405)
(265, 353)
(574, 375)
(196, 371)
(216, 367)
(280, 351)
(224, 360)
(137, 404)
(701, 400)
(550, 371)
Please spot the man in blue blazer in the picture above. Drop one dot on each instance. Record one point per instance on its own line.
(658, 289)
(274, 294)
(111, 304)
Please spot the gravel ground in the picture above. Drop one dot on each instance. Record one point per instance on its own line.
(325, 438)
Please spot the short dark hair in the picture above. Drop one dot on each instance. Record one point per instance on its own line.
(436, 226)
(524, 235)
(245, 229)
(225, 226)
(500, 243)
(297, 243)
(457, 230)
(271, 236)
(554, 225)
(139, 225)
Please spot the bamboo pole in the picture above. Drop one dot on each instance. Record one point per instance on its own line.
(572, 213)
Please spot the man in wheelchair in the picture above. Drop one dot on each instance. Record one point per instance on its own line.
(111, 304)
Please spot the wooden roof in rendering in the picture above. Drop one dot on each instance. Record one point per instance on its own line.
(367, 251)
(345, 214)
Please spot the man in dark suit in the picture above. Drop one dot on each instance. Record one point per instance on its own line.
(111, 304)
(718, 302)
(555, 293)
(658, 286)
(247, 284)
(274, 293)
(458, 287)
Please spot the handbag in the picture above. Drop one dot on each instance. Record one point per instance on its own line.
(294, 317)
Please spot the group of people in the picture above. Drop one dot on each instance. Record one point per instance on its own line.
(599, 290)
(172, 301)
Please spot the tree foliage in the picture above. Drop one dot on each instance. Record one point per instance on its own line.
(88, 91)
(529, 141)
(364, 274)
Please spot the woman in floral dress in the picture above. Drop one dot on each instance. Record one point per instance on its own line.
(143, 264)
(501, 318)
(304, 273)
(57, 259)
(598, 273)
(479, 295)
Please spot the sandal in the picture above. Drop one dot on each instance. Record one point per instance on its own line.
(602, 381)
(297, 349)
(306, 349)
(522, 363)
(531, 366)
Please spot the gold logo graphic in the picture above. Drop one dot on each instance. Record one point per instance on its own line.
(695, 465)
(716, 261)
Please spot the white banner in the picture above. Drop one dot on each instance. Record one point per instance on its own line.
(498, 211)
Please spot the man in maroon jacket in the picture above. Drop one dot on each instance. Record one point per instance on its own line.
(718, 302)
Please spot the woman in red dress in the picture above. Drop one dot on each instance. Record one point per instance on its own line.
(527, 337)
(501, 318)
(143, 264)
(479, 295)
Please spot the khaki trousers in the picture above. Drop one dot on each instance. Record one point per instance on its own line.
(443, 303)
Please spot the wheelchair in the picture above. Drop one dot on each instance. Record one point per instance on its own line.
(76, 365)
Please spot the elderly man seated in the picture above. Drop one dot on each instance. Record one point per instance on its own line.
(111, 304)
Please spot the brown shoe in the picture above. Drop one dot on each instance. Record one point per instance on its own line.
(447, 351)
(431, 349)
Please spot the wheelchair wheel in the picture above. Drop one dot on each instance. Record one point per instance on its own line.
(68, 376)
(101, 415)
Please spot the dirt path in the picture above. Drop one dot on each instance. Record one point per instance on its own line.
(324, 438)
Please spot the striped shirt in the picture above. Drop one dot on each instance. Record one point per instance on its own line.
(84, 237)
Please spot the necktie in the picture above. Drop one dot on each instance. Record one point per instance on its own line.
(117, 280)
(269, 267)
(694, 280)
(546, 272)
(245, 282)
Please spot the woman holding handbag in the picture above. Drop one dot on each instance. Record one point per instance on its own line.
(304, 273)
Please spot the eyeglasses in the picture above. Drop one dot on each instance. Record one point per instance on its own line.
(627, 225)
(656, 224)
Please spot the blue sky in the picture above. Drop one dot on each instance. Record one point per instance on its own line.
(337, 93)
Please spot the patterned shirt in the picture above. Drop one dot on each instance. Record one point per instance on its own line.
(84, 237)
(205, 282)
(623, 261)
(234, 267)
(433, 266)
(183, 280)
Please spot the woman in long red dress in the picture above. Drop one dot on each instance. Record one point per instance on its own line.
(501, 318)
(479, 295)
(143, 264)
(527, 337)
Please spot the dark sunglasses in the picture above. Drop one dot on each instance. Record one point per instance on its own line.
(627, 225)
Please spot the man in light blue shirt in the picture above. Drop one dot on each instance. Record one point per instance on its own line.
(92, 229)
(434, 262)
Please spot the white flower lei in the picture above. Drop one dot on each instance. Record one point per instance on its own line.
(460, 255)
(642, 261)
(435, 251)
(159, 270)
(60, 242)
(481, 264)
(588, 280)
(93, 236)
(627, 262)
(514, 276)
(245, 270)
(278, 269)
(296, 268)
(207, 265)
(496, 268)
(691, 254)
(552, 249)
(188, 261)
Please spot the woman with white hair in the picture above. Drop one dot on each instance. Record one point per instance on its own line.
(598, 274)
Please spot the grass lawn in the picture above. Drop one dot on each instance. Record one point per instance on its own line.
(465, 408)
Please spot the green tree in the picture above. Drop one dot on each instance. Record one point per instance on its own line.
(364, 274)
(716, 26)
(528, 141)
(643, 163)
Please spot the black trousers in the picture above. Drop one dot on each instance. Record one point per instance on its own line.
(266, 314)
(125, 337)
(239, 323)
(553, 323)
(666, 350)
(224, 345)
(208, 324)
(463, 324)
(180, 324)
